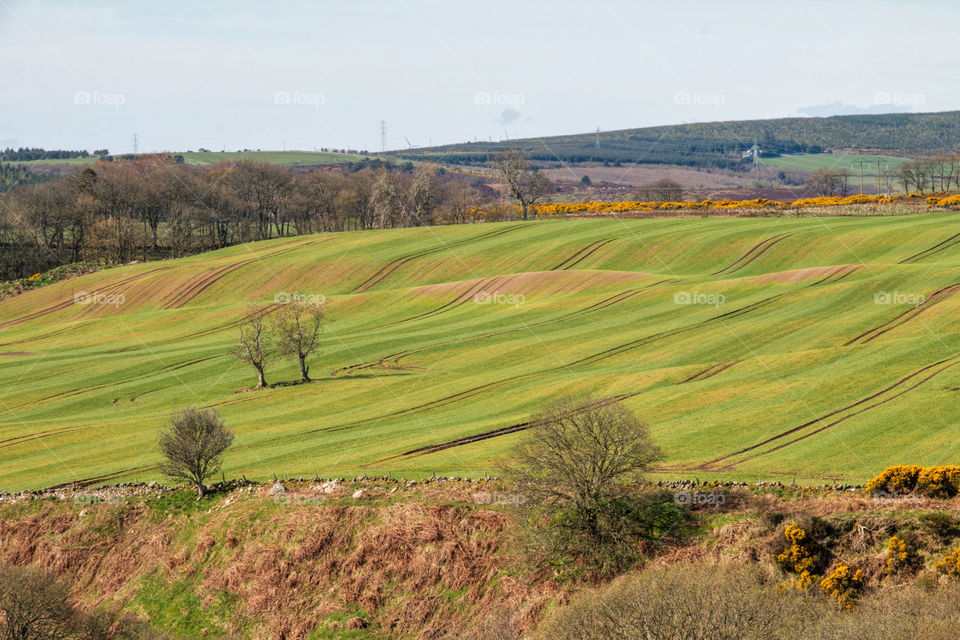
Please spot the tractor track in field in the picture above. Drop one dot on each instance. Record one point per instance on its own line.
(755, 252)
(837, 274)
(709, 372)
(47, 335)
(887, 394)
(111, 288)
(641, 342)
(200, 285)
(388, 269)
(901, 319)
(75, 392)
(582, 255)
(27, 437)
(950, 242)
(392, 361)
(493, 433)
(86, 482)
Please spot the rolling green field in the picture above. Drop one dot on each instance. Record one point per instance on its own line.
(761, 348)
(203, 158)
(813, 161)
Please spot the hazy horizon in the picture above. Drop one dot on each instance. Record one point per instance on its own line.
(301, 75)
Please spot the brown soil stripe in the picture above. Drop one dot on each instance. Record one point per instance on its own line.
(581, 255)
(710, 371)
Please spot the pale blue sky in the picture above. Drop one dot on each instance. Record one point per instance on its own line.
(185, 74)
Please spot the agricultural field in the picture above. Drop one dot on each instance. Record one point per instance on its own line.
(810, 162)
(756, 349)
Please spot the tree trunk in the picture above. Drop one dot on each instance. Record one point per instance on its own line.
(201, 490)
(304, 370)
(261, 379)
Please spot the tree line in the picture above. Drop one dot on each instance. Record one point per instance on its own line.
(152, 207)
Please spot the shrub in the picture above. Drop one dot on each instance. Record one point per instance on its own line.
(902, 556)
(950, 564)
(939, 482)
(896, 479)
(801, 557)
(843, 584)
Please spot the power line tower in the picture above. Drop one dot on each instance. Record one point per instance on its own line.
(755, 150)
(598, 137)
(383, 135)
(136, 144)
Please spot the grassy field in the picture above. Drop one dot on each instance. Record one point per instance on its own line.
(814, 161)
(203, 158)
(756, 348)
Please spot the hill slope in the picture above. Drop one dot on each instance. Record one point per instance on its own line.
(790, 360)
(722, 143)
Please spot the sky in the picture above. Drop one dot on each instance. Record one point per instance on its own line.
(186, 74)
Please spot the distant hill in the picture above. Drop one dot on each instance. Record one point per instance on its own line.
(723, 144)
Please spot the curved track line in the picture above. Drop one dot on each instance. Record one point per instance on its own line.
(581, 255)
(901, 319)
(943, 364)
(710, 371)
(937, 248)
(755, 252)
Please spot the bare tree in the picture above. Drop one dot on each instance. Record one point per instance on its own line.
(578, 451)
(193, 446)
(34, 605)
(297, 325)
(255, 344)
(524, 183)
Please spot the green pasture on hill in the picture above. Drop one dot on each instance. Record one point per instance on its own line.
(756, 348)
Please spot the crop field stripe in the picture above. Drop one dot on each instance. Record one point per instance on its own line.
(949, 362)
(901, 319)
(755, 252)
(937, 248)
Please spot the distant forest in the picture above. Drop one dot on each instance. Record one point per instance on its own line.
(724, 144)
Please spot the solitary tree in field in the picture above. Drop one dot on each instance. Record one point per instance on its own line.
(255, 344)
(578, 451)
(524, 183)
(193, 445)
(297, 327)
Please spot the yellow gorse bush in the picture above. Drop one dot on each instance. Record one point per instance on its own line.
(950, 564)
(843, 584)
(936, 482)
(901, 556)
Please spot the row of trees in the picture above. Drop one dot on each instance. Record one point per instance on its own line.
(292, 329)
(938, 173)
(152, 207)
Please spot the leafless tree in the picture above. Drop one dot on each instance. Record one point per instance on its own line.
(34, 605)
(578, 451)
(256, 344)
(297, 326)
(524, 183)
(193, 445)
